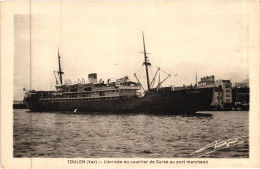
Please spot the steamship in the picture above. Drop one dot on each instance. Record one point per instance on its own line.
(119, 96)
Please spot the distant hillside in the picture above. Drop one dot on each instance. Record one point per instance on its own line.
(246, 81)
(242, 83)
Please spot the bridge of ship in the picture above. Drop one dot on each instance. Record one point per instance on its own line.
(96, 94)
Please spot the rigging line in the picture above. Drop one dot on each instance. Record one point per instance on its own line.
(169, 76)
(184, 78)
(139, 68)
(152, 74)
(163, 69)
(163, 81)
(139, 81)
(151, 70)
(138, 73)
(165, 72)
(142, 75)
(154, 63)
(154, 58)
(168, 72)
(154, 77)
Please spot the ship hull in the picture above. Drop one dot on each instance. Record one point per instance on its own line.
(169, 102)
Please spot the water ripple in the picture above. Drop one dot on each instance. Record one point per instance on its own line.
(60, 134)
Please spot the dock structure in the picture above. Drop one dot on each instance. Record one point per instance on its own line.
(18, 104)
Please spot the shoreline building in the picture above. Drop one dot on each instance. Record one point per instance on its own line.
(240, 95)
(225, 88)
(222, 97)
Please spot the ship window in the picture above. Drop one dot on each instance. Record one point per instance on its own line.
(228, 95)
(220, 87)
(228, 100)
(227, 86)
(88, 89)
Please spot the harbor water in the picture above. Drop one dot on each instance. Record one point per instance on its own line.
(67, 135)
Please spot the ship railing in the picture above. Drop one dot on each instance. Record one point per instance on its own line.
(75, 95)
(77, 98)
(130, 87)
(87, 94)
(86, 99)
(89, 91)
(93, 91)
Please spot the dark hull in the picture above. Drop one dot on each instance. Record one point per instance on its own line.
(170, 102)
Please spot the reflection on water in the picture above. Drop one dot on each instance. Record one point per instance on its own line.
(134, 135)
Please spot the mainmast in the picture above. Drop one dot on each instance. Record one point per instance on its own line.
(196, 80)
(146, 63)
(60, 71)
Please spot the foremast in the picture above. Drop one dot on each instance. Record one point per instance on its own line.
(60, 72)
(147, 63)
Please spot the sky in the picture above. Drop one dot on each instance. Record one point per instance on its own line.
(184, 38)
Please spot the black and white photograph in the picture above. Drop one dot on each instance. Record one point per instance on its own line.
(132, 82)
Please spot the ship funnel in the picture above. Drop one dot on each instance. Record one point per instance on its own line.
(92, 78)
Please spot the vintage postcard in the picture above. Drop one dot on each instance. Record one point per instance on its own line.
(129, 84)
